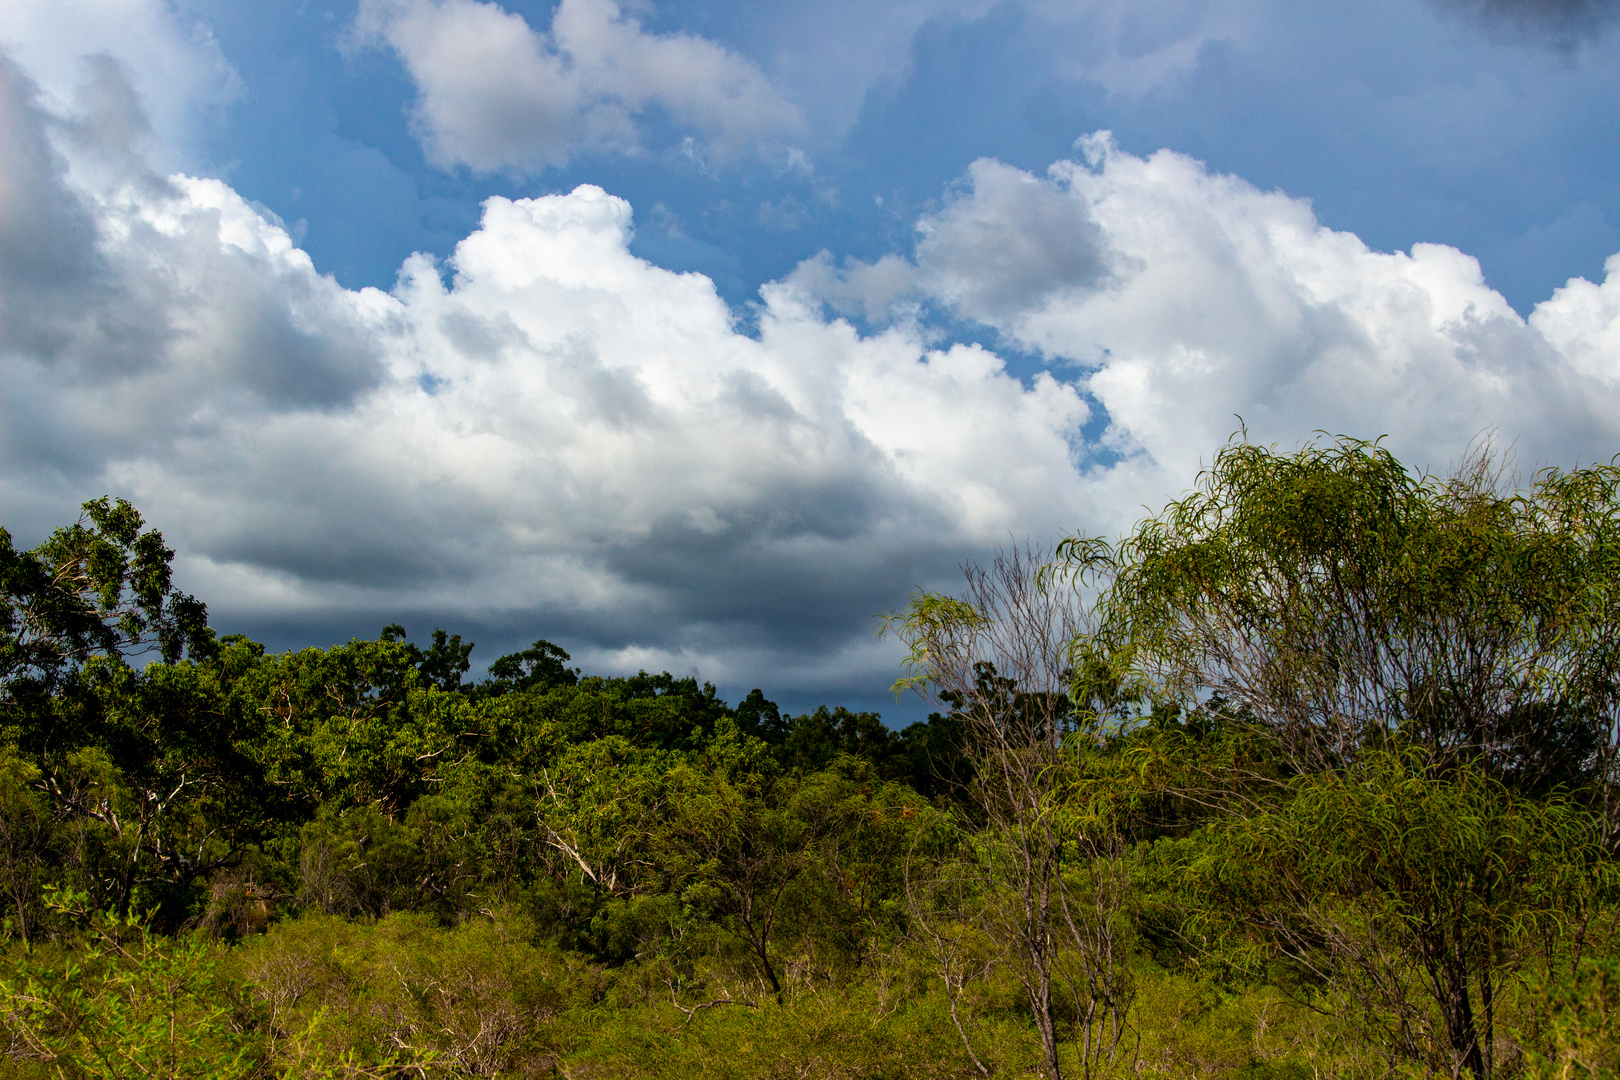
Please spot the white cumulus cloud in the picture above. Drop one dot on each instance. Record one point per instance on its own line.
(171, 61)
(495, 93)
(1185, 299)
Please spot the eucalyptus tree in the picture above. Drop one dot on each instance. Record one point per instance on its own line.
(1049, 863)
(141, 759)
(1415, 641)
(1348, 604)
(99, 587)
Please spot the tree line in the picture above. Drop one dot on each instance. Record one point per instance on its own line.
(1312, 773)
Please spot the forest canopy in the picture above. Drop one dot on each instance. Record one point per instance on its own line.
(1312, 773)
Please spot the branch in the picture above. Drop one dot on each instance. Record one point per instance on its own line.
(693, 1010)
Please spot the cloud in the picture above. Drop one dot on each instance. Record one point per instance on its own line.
(1183, 299)
(171, 62)
(873, 292)
(494, 93)
(139, 309)
(1010, 244)
(1228, 300)
(543, 433)
(1003, 241)
(546, 435)
(1564, 23)
(46, 235)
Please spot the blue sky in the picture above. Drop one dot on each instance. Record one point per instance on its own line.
(780, 310)
(1402, 122)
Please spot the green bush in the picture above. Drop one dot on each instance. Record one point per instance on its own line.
(479, 999)
(119, 1001)
(1579, 1020)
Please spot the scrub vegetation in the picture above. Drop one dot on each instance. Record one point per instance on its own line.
(1311, 775)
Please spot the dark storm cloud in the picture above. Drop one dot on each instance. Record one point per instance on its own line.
(800, 569)
(1565, 23)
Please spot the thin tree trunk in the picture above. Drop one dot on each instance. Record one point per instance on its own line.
(1043, 1020)
(1461, 1030)
(952, 994)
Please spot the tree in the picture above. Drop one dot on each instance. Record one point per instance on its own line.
(99, 587)
(1050, 861)
(1409, 893)
(150, 766)
(1348, 604)
(127, 1004)
(141, 755)
(1354, 614)
(441, 664)
(540, 665)
(352, 724)
(737, 837)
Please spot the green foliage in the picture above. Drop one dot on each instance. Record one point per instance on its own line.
(1428, 669)
(1580, 1023)
(1409, 892)
(28, 844)
(1312, 775)
(120, 1001)
(99, 587)
(1347, 603)
(479, 999)
(441, 664)
(541, 665)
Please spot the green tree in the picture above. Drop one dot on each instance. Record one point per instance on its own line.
(152, 768)
(1352, 613)
(99, 587)
(26, 842)
(540, 665)
(138, 759)
(1344, 603)
(1412, 893)
(354, 724)
(441, 664)
(737, 838)
(1050, 860)
(127, 1002)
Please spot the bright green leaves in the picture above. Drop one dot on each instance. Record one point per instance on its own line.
(127, 1003)
(599, 805)
(938, 632)
(723, 846)
(1433, 663)
(353, 724)
(1376, 711)
(1425, 852)
(1580, 1014)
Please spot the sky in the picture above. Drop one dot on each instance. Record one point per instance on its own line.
(695, 336)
